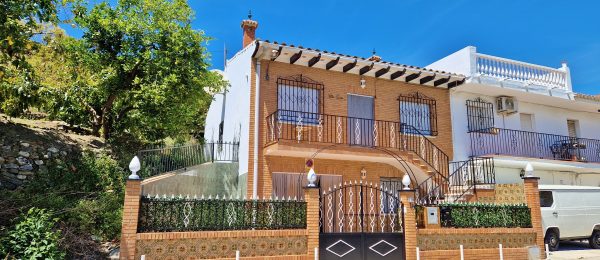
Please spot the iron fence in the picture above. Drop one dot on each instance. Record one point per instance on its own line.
(498, 141)
(175, 214)
(168, 159)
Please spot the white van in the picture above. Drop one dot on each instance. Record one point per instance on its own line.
(570, 213)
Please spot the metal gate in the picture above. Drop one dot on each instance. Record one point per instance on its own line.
(361, 221)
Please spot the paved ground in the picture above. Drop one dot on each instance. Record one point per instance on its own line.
(575, 250)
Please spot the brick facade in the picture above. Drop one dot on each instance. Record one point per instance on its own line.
(131, 208)
(532, 196)
(337, 86)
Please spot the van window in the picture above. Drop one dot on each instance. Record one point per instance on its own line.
(546, 199)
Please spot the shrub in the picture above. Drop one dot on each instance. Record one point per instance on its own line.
(33, 237)
(85, 192)
(477, 215)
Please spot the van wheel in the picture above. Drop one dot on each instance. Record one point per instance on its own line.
(595, 240)
(552, 239)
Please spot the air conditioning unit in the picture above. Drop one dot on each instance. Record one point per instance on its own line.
(506, 105)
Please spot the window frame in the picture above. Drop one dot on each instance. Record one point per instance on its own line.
(551, 196)
(480, 116)
(421, 101)
(289, 113)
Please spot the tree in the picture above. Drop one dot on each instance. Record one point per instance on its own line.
(139, 68)
(19, 22)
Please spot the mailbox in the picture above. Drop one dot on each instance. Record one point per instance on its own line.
(433, 216)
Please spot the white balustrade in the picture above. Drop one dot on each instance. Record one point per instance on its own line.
(520, 71)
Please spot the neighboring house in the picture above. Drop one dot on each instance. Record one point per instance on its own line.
(518, 112)
(357, 119)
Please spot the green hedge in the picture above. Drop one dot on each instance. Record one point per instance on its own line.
(170, 214)
(479, 215)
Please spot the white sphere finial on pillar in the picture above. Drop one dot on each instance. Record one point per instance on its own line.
(134, 167)
(406, 181)
(528, 170)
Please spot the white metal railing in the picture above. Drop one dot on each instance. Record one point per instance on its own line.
(520, 71)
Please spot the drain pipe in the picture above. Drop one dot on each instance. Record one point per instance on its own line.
(256, 133)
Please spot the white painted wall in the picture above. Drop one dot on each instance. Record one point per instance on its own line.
(546, 119)
(512, 175)
(460, 62)
(237, 106)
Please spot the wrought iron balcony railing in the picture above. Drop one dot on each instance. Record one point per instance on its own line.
(173, 158)
(303, 127)
(498, 141)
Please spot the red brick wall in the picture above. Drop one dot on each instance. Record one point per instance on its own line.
(336, 87)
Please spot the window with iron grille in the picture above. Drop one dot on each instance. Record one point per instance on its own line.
(418, 111)
(480, 115)
(299, 97)
(391, 185)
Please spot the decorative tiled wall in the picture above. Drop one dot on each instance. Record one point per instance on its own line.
(474, 240)
(513, 193)
(221, 247)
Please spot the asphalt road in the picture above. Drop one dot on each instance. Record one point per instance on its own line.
(575, 250)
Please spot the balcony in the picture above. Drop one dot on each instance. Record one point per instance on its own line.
(498, 141)
(486, 70)
(302, 128)
(512, 70)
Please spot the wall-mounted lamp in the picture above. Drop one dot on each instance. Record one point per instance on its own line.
(363, 173)
(363, 83)
(274, 54)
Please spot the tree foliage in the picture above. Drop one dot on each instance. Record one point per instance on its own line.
(139, 69)
(19, 22)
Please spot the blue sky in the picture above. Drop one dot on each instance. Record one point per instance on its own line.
(419, 32)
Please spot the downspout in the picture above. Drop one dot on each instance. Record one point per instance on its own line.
(256, 132)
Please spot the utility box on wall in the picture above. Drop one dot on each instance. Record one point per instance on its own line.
(432, 217)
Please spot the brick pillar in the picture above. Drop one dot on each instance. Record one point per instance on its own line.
(131, 208)
(532, 195)
(410, 224)
(311, 196)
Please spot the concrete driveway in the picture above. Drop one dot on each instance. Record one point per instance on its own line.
(575, 250)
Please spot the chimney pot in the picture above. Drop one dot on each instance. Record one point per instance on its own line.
(249, 29)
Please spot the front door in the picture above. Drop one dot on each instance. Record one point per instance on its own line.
(360, 120)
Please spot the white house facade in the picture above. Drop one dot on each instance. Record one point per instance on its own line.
(517, 113)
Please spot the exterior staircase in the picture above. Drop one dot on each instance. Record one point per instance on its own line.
(461, 185)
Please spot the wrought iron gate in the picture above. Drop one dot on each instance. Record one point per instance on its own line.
(361, 221)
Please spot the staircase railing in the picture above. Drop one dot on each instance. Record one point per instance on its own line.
(168, 159)
(465, 177)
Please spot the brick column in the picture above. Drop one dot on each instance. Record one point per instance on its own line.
(131, 208)
(410, 224)
(532, 196)
(311, 196)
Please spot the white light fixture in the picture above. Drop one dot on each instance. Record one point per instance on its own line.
(406, 182)
(529, 170)
(363, 173)
(134, 167)
(274, 54)
(363, 83)
(312, 178)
